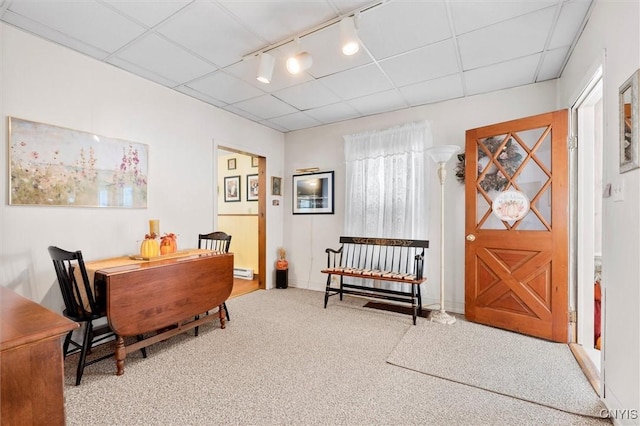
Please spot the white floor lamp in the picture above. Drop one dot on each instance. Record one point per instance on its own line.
(441, 154)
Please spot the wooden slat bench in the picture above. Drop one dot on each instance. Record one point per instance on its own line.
(378, 260)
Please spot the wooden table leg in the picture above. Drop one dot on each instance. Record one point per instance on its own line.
(222, 315)
(121, 353)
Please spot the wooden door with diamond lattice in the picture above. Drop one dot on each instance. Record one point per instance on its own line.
(516, 222)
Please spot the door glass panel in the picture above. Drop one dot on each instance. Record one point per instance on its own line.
(484, 216)
(518, 161)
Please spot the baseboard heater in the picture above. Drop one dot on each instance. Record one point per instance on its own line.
(243, 273)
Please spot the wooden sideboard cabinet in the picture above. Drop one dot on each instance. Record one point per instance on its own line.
(31, 362)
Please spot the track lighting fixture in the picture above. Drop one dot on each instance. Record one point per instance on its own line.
(349, 36)
(265, 69)
(300, 62)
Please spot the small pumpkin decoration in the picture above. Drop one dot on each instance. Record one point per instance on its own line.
(169, 244)
(282, 263)
(512, 209)
(150, 247)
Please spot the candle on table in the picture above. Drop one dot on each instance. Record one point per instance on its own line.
(154, 227)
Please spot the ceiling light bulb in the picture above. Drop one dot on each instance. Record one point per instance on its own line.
(350, 48)
(265, 69)
(300, 62)
(349, 36)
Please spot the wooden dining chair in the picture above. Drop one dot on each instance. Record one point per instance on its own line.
(217, 241)
(81, 307)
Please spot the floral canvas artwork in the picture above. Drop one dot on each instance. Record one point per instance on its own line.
(51, 165)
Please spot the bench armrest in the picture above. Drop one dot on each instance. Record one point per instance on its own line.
(330, 250)
(332, 255)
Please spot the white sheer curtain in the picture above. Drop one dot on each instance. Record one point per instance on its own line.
(388, 174)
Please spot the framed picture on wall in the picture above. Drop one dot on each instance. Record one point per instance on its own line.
(55, 166)
(254, 161)
(313, 193)
(231, 164)
(629, 117)
(276, 185)
(252, 188)
(232, 188)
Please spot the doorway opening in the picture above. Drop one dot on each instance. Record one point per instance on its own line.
(586, 242)
(241, 211)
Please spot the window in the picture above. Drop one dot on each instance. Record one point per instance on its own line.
(386, 182)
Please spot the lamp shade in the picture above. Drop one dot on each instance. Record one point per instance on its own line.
(265, 69)
(349, 37)
(442, 153)
(300, 62)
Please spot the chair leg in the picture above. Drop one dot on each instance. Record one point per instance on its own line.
(143, 350)
(326, 291)
(224, 305)
(86, 343)
(226, 310)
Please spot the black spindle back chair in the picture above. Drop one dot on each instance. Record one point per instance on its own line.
(81, 307)
(216, 241)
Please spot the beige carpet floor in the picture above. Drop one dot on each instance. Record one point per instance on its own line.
(284, 360)
(500, 361)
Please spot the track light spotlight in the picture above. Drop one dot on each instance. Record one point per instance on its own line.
(265, 69)
(301, 62)
(349, 36)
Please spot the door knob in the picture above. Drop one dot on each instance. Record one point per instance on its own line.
(471, 237)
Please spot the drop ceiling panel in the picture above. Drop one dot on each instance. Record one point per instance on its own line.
(307, 95)
(333, 113)
(552, 63)
(273, 126)
(296, 121)
(91, 22)
(241, 113)
(149, 13)
(199, 95)
(357, 82)
(225, 87)
(277, 20)
(205, 29)
(419, 65)
(514, 73)
(142, 72)
(52, 35)
(379, 102)
(164, 58)
(569, 23)
(472, 15)
(265, 107)
(398, 27)
(439, 89)
(512, 39)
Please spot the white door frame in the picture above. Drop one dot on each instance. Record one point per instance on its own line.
(587, 125)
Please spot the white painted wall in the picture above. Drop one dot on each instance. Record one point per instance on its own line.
(612, 38)
(44, 82)
(307, 236)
